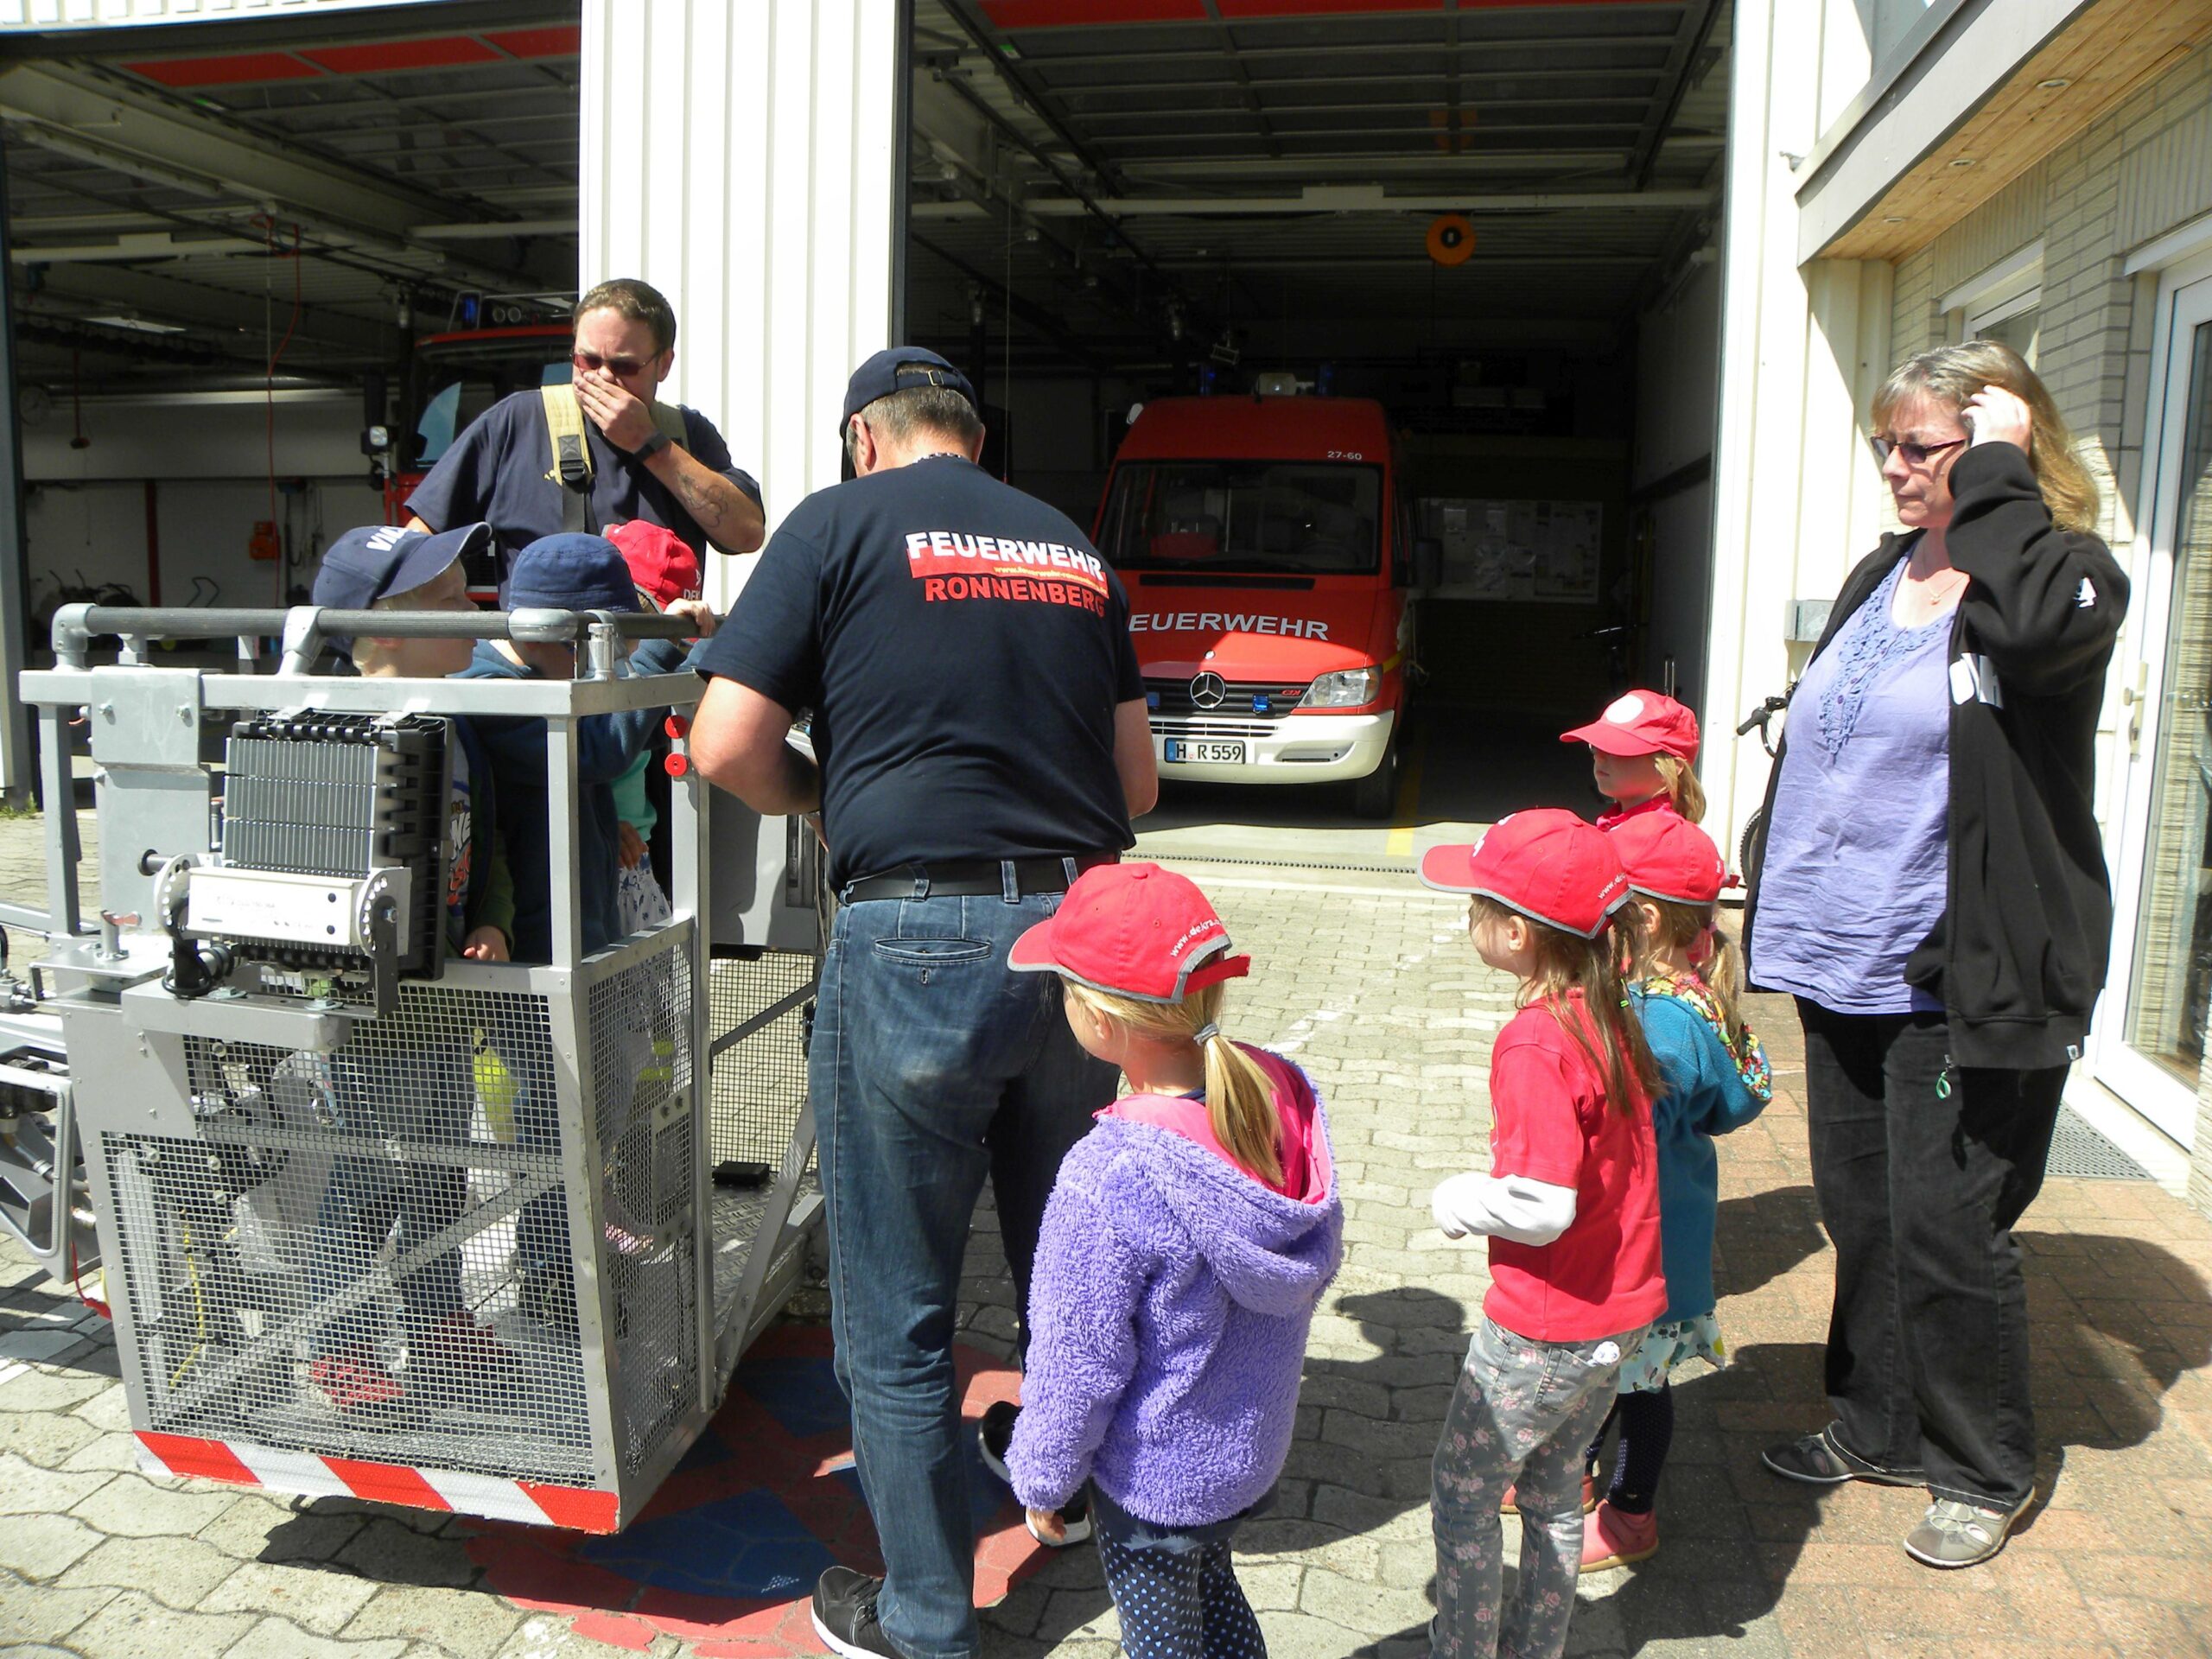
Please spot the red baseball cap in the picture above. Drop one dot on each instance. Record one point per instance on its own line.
(1546, 863)
(1640, 722)
(661, 562)
(1667, 857)
(1132, 930)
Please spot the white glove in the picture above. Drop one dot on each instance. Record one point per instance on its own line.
(1506, 1206)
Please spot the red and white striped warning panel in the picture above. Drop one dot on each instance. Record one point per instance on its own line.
(579, 1509)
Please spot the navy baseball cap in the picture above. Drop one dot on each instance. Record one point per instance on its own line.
(899, 368)
(570, 572)
(378, 560)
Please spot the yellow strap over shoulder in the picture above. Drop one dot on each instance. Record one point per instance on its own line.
(564, 423)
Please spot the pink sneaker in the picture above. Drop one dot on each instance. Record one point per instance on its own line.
(352, 1384)
(1510, 1504)
(1614, 1537)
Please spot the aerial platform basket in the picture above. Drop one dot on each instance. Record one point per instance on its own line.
(372, 1220)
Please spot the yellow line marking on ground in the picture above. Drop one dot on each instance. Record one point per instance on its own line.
(1400, 842)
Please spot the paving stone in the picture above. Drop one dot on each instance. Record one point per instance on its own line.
(467, 1624)
(316, 1598)
(40, 1546)
(26, 1489)
(43, 1613)
(391, 1553)
(279, 1638)
(176, 1572)
(37, 1343)
(45, 1438)
(34, 1389)
(134, 1506)
(135, 1626)
(1360, 1603)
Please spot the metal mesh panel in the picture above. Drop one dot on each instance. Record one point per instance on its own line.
(760, 1081)
(641, 1089)
(364, 1253)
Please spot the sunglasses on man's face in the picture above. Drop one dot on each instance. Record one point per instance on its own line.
(1916, 455)
(620, 367)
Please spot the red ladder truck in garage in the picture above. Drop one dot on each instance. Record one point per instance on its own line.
(1266, 546)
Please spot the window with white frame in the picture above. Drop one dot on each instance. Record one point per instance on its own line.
(2004, 303)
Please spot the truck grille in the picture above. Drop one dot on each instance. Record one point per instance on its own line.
(1188, 727)
(1267, 700)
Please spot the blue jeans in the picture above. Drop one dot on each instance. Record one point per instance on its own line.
(933, 1065)
(366, 1197)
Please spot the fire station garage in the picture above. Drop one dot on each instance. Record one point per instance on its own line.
(1500, 223)
(1402, 316)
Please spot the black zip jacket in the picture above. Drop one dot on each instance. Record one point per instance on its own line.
(2019, 954)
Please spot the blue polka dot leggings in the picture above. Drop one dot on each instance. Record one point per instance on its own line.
(1180, 1601)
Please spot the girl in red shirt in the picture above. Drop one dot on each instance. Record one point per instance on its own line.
(1641, 752)
(1571, 1206)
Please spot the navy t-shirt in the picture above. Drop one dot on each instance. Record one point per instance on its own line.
(962, 647)
(496, 471)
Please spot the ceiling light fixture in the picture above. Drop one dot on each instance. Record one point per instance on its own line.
(2056, 84)
(140, 325)
(1962, 161)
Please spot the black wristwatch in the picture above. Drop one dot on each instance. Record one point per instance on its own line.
(651, 446)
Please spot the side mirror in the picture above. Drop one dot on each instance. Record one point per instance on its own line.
(1429, 563)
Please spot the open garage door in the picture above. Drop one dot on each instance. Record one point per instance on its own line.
(238, 247)
(1499, 221)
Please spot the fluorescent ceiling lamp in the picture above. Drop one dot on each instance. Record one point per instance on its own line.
(140, 324)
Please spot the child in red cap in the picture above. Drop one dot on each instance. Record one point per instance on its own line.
(1571, 1206)
(1715, 1078)
(666, 572)
(1187, 1240)
(1641, 750)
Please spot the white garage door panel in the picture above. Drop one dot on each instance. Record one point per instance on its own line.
(743, 160)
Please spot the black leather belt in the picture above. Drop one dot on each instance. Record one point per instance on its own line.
(974, 878)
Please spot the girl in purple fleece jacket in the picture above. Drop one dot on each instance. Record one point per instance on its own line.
(1186, 1244)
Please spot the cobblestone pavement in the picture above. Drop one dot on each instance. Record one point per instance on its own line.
(1371, 984)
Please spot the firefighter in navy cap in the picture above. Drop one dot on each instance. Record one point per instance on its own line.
(980, 737)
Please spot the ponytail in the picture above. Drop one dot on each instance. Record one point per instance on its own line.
(1683, 787)
(1612, 1036)
(1681, 925)
(1240, 1100)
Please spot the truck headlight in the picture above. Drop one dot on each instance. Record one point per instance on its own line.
(1348, 688)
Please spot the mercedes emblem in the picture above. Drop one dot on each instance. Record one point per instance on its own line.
(1208, 690)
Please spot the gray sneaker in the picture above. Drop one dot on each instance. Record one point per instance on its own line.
(1953, 1533)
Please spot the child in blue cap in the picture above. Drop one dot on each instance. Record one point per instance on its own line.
(385, 567)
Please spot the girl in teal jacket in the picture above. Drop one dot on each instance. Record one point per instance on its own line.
(1717, 1079)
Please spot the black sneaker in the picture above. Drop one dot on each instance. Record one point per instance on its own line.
(845, 1615)
(1820, 1460)
(993, 1436)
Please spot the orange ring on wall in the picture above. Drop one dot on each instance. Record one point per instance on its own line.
(1451, 239)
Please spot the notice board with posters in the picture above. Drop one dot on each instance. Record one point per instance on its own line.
(1525, 550)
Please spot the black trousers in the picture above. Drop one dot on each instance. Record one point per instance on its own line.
(1920, 1169)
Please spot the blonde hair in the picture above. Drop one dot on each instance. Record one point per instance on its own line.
(1681, 925)
(364, 653)
(1682, 786)
(1567, 961)
(1950, 375)
(1240, 1101)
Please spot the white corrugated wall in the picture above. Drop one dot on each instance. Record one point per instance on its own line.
(1797, 497)
(745, 160)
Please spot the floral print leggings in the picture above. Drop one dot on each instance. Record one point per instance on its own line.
(1520, 1417)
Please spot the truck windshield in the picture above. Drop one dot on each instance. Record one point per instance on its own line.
(1300, 518)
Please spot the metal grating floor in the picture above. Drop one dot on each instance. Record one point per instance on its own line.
(2078, 1150)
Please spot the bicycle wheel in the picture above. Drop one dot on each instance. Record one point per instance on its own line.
(1750, 851)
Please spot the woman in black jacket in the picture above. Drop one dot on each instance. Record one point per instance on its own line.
(1934, 894)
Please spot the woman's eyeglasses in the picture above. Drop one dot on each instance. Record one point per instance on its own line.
(1916, 455)
(620, 367)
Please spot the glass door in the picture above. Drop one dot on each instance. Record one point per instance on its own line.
(2152, 1052)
